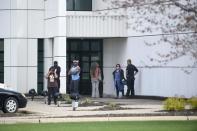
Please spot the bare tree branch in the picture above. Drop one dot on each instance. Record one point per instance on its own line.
(153, 16)
(185, 8)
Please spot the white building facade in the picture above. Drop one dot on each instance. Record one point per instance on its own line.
(34, 33)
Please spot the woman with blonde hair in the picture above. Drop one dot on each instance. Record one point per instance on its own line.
(95, 74)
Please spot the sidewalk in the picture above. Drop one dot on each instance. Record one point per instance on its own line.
(139, 109)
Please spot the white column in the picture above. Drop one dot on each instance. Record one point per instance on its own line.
(48, 57)
(16, 64)
(60, 43)
(32, 59)
(55, 49)
(60, 56)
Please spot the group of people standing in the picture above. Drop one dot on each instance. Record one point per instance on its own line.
(118, 76)
(53, 77)
(120, 81)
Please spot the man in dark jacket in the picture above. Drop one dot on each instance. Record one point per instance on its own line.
(57, 70)
(131, 71)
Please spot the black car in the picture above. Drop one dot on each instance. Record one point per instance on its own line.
(10, 100)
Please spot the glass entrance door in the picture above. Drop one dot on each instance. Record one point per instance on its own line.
(86, 51)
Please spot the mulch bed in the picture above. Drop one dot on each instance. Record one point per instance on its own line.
(188, 112)
(91, 104)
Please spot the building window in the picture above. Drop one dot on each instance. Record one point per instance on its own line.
(40, 71)
(79, 5)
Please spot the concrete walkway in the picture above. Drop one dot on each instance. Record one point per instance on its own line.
(138, 109)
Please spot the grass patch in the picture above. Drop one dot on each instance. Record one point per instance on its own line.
(105, 126)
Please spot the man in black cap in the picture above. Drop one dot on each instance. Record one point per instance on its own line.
(131, 71)
(57, 70)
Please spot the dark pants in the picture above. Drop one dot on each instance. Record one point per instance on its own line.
(58, 84)
(51, 92)
(74, 84)
(100, 89)
(117, 90)
(130, 87)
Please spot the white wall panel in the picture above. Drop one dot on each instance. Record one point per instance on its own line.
(60, 56)
(61, 25)
(19, 4)
(35, 4)
(51, 28)
(48, 60)
(10, 77)
(172, 82)
(7, 76)
(5, 4)
(19, 23)
(16, 78)
(18, 52)
(89, 25)
(35, 24)
(21, 64)
(162, 80)
(59, 46)
(108, 84)
(32, 48)
(20, 75)
(31, 78)
(55, 27)
(7, 52)
(5, 23)
(48, 47)
(55, 8)
(32, 63)
(150, 20)
(16, 64)
(61, 7)
(98, 5)
(113, 53)
(141, 53)
(51, 8)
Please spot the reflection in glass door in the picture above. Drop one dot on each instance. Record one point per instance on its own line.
(86, 51)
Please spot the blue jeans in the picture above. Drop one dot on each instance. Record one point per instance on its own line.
(74, 85)
(95, 88)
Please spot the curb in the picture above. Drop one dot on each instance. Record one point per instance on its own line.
(95, 119)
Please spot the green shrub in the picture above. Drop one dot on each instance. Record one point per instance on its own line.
(66, 97)
(86, 101)
(193, 102)
(112, 106)
(174, 103)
